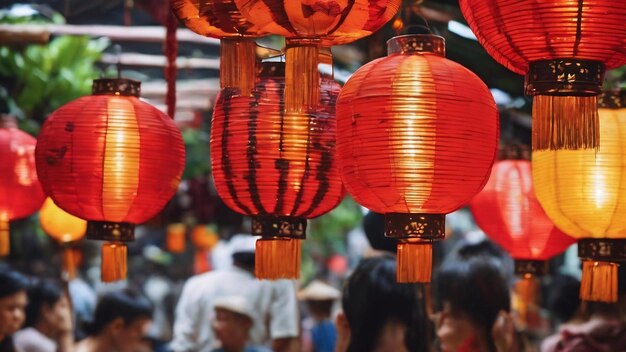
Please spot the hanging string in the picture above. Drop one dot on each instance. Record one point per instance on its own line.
(171, 51)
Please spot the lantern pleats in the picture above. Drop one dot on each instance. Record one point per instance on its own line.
(414, 262)
(20, 191)
(114, 262)
(405, 142)
(275, 166)
(582, 193)
(267, 251)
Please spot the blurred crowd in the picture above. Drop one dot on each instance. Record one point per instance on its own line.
(471, 306)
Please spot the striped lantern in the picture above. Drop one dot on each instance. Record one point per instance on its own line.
(277, 167)
(308, 24)
(20, 190)
(222, 19)
(113, 160)
(563, 47)
(417, 136)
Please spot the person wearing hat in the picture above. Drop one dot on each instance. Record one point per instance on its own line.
(274, 304)
(233, 320)
(319, 329)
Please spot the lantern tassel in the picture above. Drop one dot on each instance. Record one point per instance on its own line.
(599, 281)
(5, 239)
(302, 78)
(202, 262)
(69, 264)
(565, 122)
(415, 261)
(525, 291)
(114, 262)
(277, 258)
(238, 66)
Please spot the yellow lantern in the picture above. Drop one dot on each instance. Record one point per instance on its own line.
(584, 194)
(65, 229)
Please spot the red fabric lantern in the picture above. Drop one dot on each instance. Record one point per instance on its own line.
(307, 24)
(407, 146)
(508, 211)
(20, 191)
(112, 160)
(275, 166)
(563, 48)
(222, 19)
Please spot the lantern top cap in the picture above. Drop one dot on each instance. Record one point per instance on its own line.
(417, 43)
(613, 99)
(7, 121)
(116, 86)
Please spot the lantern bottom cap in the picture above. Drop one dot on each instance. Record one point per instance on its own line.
(530, 267)
(110, 231)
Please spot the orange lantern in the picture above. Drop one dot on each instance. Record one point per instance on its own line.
(407, 148)
(204, 238)
(20, 191)
(221, 19)
(275, 166)
(563, 48)
(112, 160)
(175, 240)
(308, 24)
(65, 229)
(582, 191)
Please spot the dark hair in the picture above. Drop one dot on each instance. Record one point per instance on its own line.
(372, 298)
(245, 260)
(374, 228)
(125, 304)
(12, 282)
(39, 294)
(562, 297)
(476, 287)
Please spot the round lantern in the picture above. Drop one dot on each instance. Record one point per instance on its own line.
(507, 210)
(563, 47)
(175, 240)
(112, 160)
(204, 238)
(417, 136)
(65, 229)
(221, 19)
(277, 167)
(20, 191)
(582, 192)
(308, 24)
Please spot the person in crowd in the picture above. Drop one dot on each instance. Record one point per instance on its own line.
(48, 326)
(319, 328)
(379, 314)
(13, 300)
(232, 324)
(121, 323)
(472, 301)
(274, 304)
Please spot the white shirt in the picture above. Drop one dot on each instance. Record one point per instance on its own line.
(31, 340)
(274, 304)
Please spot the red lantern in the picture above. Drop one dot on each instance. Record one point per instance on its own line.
(112, 160)
(221, 19)
(275, 166)
(308, 24)
(417, 135)
(508, 211)
(563, 48)
(20, 191)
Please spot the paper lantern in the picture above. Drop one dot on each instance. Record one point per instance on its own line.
(66, 229)
(204, 238)
(563, 48)
(308, 24)
(582, 192)
(175, 240)
(417, 136)
(20, 191)
(507, 210)
(222, 19)
(112, 160)
(277, 167)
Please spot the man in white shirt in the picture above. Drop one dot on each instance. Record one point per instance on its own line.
(274, 304)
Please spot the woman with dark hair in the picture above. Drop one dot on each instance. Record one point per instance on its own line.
(471, 296)
(48, 321)
(13, 301)
(121, 324)
(380, 314)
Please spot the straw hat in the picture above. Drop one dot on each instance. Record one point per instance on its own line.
(319, 291)
(235, 304)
